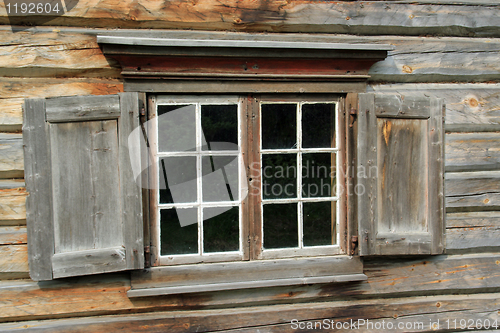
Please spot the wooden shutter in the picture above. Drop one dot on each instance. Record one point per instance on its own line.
(84, 209)
(400, 174)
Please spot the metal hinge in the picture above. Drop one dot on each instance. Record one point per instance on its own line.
(354, 244)
(147, 256)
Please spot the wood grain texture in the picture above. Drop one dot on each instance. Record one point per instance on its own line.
(38, 177)
(472, 191)
(93, 296)
(13, 235)
(55, 87)
(11, 156)
(13, 261)
(278, 318)
(472, 231)
(280, 16)
(469, 107)
(68, 52)
(53, 54)
(78, 108)
(13, 206)
(11, 114)
(472, 152)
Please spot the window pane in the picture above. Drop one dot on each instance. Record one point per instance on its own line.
(280, 226)
(220, 127)
(319, 223)
(176, 239)
(279, 176)
(318, 125)
(279, 126)
(318, 175)
(180, 174)
(176, 128)
(220, 178)
(221, 232)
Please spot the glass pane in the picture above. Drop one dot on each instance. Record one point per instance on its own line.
(319, 223)
(220, 127)
(280, 226)
(318, 125)
(220, 178)
(279, 126)
(180, 174)
(176, 128)
(279, 176)
(179, 231)
(221, 232)
(318, 175)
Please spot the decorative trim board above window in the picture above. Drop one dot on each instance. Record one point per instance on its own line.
(207, 59)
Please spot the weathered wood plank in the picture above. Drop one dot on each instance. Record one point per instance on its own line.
(13, 206)
(75, 53)
(131, 192)
(11, 157)
(99, 295)
(460, 240)
(422, 314)
(235, 272)
(53, 54)
(38, 176)
(14, 90)
(472, 190)
(13, 235)
(472, 219)
(11, 115)
(53, 87)
(279, 16)
(469, 107)
(79, 108)
(472, 152)
(13, 261)
(87, 262)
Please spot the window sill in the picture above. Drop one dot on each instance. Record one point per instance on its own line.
(185, 279)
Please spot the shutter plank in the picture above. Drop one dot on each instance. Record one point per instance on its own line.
(79, 108)
(40, 227)
(71, 150)
(366, 187)
(89, 262)
(131, 198)
(437, 210)
(403, 202)
(402, 174)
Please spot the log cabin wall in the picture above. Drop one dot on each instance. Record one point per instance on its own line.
(443, 48)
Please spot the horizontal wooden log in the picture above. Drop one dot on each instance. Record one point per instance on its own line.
(472, 190)
(75, 53)
(11, 157)
(472, 231)
(278, 16)
(472, 219)
(14, 90)
(469, 107)
(472, 152)
(53, 54)
(421, 314)
(13, 261)
(13, 235)
(13, 206)
(106, 294)
(11, 114)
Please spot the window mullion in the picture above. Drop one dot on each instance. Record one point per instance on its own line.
(299, 175)
(199, 173)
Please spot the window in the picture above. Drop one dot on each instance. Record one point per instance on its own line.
(200, 179)
(264, 168)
